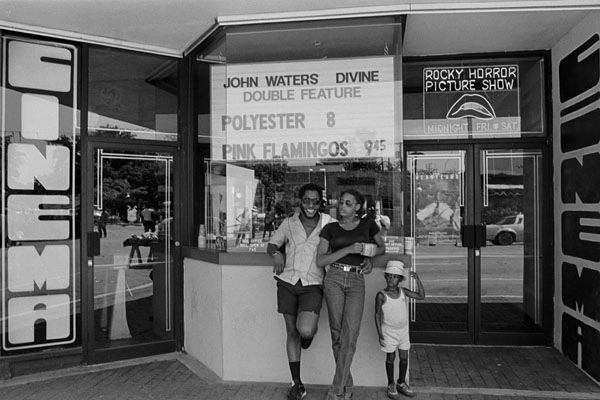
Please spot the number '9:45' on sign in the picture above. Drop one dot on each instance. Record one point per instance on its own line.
(374, 146)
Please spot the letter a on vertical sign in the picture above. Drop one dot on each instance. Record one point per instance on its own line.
(38, 194)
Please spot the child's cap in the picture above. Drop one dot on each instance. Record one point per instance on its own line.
(395, 267)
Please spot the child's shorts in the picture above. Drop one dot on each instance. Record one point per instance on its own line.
(394, 338)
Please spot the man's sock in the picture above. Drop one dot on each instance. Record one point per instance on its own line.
(295, 370)
(389, 370)
(403, 365)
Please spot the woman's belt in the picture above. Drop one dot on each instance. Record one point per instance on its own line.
(346, 267)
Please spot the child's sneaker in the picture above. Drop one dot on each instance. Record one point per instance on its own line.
(405, 389)
(392, 392)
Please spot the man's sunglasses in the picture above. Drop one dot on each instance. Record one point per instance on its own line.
(348, 203)
(308, 202)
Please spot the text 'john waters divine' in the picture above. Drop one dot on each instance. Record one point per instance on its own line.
(299, 79)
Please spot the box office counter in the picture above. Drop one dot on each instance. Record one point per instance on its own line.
(231, 323)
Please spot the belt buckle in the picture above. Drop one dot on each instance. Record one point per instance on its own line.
(346, 268)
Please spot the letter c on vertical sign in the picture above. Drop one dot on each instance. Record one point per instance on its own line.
(40, 67)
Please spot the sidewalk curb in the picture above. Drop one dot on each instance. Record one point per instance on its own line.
(507, 392)
(85, 369)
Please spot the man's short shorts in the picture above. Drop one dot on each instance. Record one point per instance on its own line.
(394, 338)
(292, 299)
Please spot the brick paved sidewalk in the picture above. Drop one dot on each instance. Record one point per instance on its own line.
(437, 372)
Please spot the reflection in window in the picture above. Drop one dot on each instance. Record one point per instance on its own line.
(512, 215)
(247, 202)
(132, 95)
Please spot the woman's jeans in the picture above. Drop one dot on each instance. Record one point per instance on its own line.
(345, 298)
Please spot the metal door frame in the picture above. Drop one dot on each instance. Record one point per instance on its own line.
(91, 354)
(472, 215)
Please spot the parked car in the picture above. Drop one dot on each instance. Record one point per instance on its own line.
(506, 231)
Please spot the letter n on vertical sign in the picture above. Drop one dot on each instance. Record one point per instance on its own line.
(39, 88)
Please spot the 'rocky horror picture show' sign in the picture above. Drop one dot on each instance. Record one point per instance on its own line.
(334, 109)
(471, 100)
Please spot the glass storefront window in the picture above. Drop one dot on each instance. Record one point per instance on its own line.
(473, 99)
(292, 104)
(41, 196)
(247, 202)
(132, 95)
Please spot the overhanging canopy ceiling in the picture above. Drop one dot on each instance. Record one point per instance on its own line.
(172, 26)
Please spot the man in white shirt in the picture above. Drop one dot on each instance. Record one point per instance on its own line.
(299, 280)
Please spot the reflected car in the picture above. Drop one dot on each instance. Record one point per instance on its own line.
(506, 231)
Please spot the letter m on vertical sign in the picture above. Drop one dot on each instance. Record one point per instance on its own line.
(39, 88)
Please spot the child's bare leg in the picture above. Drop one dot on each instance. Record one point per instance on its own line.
(402, 365)
(389, 366)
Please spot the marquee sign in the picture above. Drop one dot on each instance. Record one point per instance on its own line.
(38, 194)
(471, 100)
(335, 109)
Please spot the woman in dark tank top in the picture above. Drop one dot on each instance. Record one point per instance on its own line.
(346, 248)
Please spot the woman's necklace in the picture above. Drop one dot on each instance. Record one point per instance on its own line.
(350, 223)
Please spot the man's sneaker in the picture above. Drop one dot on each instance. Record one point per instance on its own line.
(305, 343)
(392, 392)
(296, 392)
(405, 389)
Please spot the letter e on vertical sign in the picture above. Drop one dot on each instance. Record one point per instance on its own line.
(39, 88)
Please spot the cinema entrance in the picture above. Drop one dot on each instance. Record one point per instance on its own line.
(476, 216)
(130, 252)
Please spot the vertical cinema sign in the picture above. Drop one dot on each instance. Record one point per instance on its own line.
(38, 238)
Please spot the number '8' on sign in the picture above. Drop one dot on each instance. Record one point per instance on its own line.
(331, 119)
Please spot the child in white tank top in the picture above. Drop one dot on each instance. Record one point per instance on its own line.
(392, 321)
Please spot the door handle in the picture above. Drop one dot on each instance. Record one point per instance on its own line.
(93, 244)
(473, 236)
(480, 235)
(467, 235)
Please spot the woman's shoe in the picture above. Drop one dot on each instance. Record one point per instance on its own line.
(392, 392)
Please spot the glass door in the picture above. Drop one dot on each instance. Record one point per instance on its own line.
(475, 219)
(130, 252)
(509, 206)
(438, 204)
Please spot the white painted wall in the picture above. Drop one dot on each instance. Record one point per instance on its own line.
(202, 313)
(253, 342)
